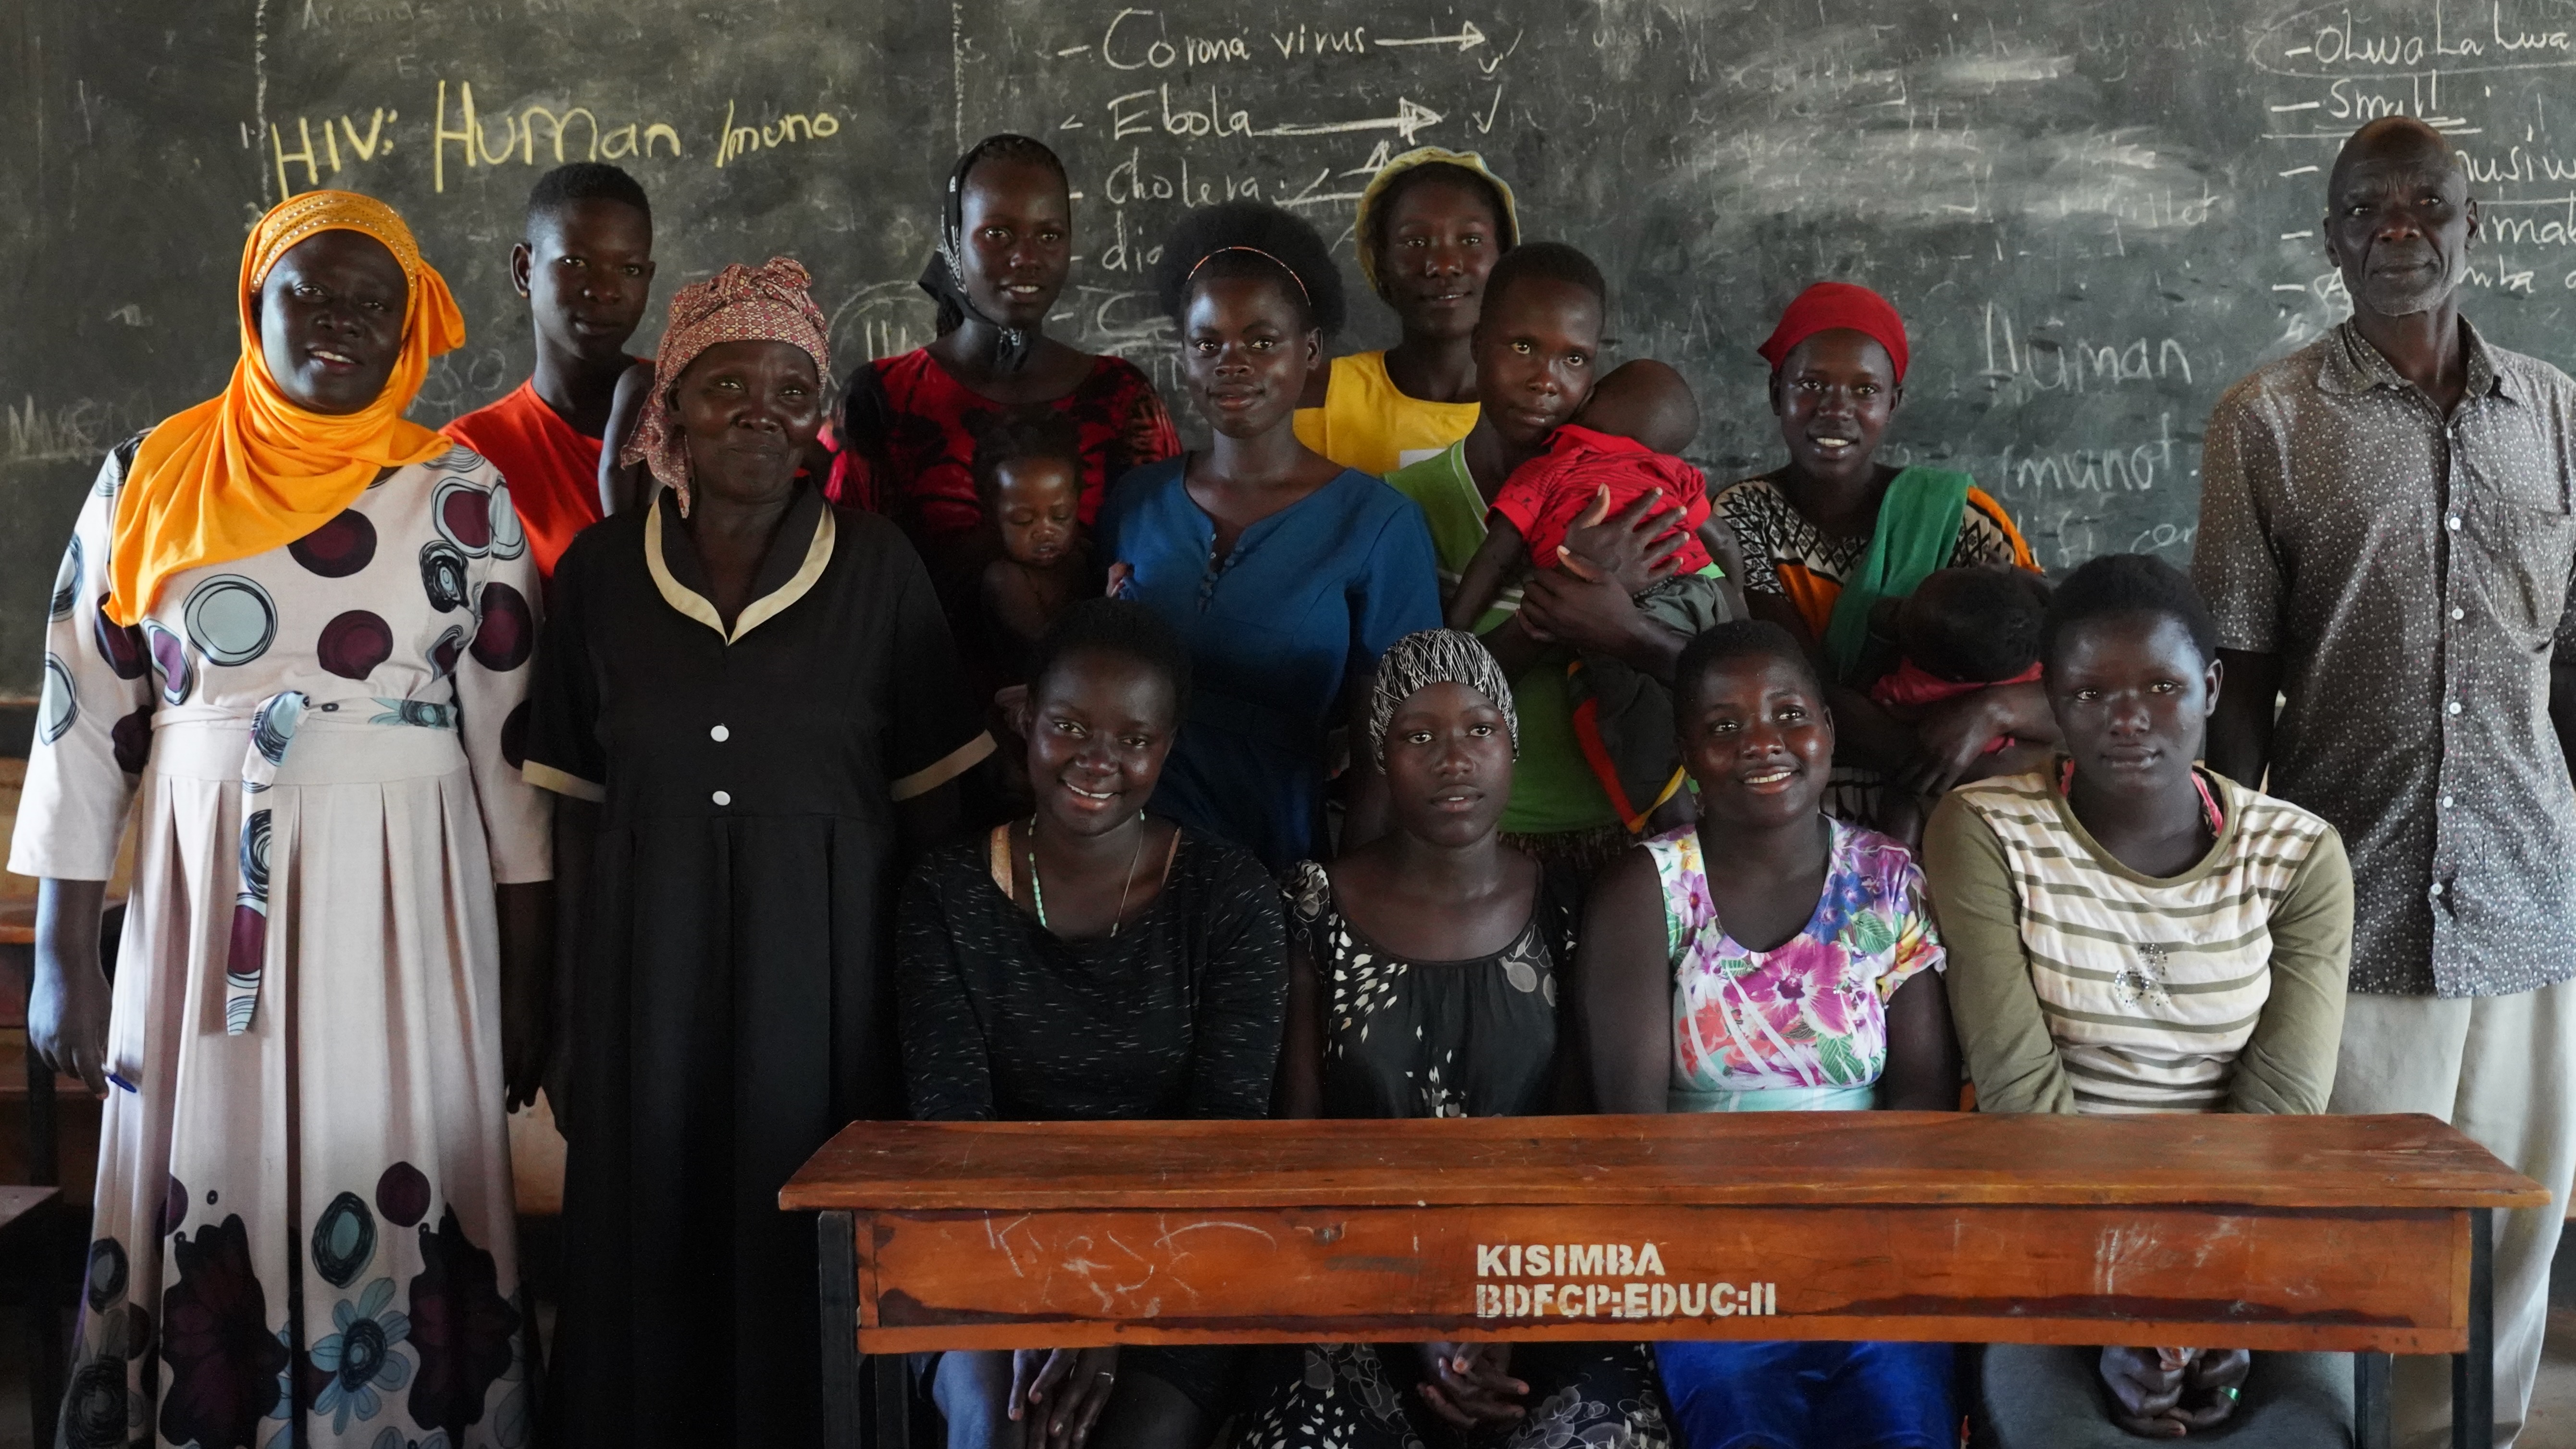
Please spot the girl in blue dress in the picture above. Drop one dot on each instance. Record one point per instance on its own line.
(1285, 574)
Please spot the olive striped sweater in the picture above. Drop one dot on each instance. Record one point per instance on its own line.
(2080, 985)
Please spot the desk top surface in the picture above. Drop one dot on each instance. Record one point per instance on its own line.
(1777, 1158)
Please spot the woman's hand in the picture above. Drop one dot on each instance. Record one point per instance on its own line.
(1950, 738)
(67, 1004)
(1058, 1393)
(527, 917)
(2147, 1387)
(1122, 581)
(1633, 549)
(2210, 1386)
(1470, 1384)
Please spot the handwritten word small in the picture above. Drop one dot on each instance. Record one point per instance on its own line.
(740, 140)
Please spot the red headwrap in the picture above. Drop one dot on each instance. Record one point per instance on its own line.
(1827, 306)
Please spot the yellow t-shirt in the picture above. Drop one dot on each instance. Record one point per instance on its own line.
(1366, 423)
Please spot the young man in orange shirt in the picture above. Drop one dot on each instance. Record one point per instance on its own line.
(586, 269)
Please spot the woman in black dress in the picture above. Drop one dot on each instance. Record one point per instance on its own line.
(746, 698)
(1092, 963)
(1425, 972)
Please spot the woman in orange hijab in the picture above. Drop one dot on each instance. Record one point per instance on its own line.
(298, 626)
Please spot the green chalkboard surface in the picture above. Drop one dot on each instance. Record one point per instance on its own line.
(2094, 214)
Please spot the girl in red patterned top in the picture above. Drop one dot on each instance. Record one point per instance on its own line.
(905, 430)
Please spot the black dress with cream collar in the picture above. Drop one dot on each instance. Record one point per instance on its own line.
(734, 1001)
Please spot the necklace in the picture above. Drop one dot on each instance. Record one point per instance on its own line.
(1037, 887)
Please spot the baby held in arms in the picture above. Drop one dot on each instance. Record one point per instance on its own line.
(1614, 450)
(1028, 482)
(1960, 631)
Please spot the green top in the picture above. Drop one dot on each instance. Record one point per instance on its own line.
(1917, 530)
(1553, 790)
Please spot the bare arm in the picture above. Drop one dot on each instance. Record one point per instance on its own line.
(1366, 812)
(2240, 734)
(527, 916)
(1623, 990)
(1482, 580)
(1952, 737)
(622, 487)
(1922, 1072)
(1719, 539)
(67, 1008)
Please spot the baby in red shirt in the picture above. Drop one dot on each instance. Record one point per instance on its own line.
(1544, 497)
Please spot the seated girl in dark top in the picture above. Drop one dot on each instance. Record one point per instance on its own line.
(1426, 969)
(1090, 963)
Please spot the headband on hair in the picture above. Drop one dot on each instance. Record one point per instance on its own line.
(1427, 657)
(1258, 252)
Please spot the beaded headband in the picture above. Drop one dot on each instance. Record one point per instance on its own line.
(1258, 252)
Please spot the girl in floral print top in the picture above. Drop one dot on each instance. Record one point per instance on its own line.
(1801, 974)
(1794, 976)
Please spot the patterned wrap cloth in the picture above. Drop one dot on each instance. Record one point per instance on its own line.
(767, 303)
(1436, 656)
(248, 471)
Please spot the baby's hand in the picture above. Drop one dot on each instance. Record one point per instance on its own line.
(1122, 580)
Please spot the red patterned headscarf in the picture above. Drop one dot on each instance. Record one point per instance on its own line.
(1831, 306)
(768, 303)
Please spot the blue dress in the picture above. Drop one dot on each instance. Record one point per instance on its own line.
(1276, 629)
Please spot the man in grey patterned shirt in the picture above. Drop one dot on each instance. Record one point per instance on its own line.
(2386, 536)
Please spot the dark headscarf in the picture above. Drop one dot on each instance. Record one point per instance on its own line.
(945, 278)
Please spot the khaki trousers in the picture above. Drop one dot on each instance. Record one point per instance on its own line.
(2498, 1068)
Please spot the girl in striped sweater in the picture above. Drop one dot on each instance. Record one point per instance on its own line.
(2130, 932)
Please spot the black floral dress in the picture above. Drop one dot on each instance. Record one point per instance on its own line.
(1474, 1038)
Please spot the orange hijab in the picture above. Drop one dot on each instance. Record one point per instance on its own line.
(249, 471)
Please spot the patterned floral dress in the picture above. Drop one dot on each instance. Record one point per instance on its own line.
(1803, 1025)
(304, 1230)
(1474, 1038)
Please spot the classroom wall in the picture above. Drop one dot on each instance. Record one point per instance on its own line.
(2095, 215)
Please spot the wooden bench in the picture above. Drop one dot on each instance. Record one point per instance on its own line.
(2366, 1235)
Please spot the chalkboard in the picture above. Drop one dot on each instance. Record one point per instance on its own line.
(2095, 215)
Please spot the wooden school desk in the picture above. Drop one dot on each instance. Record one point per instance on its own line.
(2366, 1235)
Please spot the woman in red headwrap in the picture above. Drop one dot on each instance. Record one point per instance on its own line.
(297, 627)
(746, 701)
(1831, 533)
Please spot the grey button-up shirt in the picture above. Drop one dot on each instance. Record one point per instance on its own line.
(2413, 573)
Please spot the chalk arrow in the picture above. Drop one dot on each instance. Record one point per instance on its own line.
(1408, 119)
(1467, 38)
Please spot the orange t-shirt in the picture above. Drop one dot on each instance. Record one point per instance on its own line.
(553, 471)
